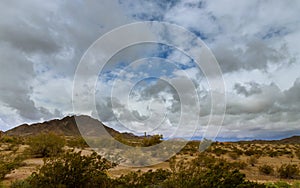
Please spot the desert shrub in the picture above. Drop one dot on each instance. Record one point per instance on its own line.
(72, 170)
(11, 142)
(219, 151)
(46, 145)
(239, 165)
(78, 142)
(138, 179)
(238, 151)
(253, 160)
(6, 139)
(20, 184)
(266, 169)
(296, 184)
(288, 171)
(273, 154)
(250, 152)
(233, 155)
(8, 163)
(191, 147)
(206, 171)
(279, 184)
(297, 153)
(152, 140)
(10, 139)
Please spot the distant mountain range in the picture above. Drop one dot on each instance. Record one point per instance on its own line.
(68, 127)
(289, 140)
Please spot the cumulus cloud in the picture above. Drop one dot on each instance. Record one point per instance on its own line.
(255, 42)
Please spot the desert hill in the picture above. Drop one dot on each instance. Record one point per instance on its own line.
(67, 127)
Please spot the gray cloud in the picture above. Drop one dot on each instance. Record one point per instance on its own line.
(42, 43)
(253, 89)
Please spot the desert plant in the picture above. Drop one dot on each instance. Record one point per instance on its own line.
(20, 184)
(139, 179)
(72, 170)
(219, 151)
(239, 165)
(77, 142)
(288, 171)
(46, 145)
(266, 169)
(253, 160)
(297, 153)
(250, 152)
(296, 184)
(8, 163)
(206, 171)
(278, 184)
(152, 140)
(274, 154)
(233, 155)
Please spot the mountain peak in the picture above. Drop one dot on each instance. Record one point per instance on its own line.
(66, 126)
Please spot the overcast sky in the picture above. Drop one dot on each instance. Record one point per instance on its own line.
(256, 43)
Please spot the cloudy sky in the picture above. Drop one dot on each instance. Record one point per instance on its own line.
(256, 44)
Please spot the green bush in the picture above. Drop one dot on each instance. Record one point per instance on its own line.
(206, 171)
(77, 142)
(20, 184)
(266, 169)
(138, 179)
(72, 170)
(288, 171)
(152, 140)
(8, 163)
(46, 145)
(279, 184)
(296, 184)
(239, 164)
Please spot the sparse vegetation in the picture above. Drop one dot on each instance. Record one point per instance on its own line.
(219, 165)
(288, 171)
(9, 163)
(72, 170)
(266, 169)
(152, 140)
(233, 155)
(78, 142)
(46, 145)
(253, 160)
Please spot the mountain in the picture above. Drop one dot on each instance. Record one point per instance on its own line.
(68, 127)
(289, 140)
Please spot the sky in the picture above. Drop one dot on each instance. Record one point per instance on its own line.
(256, 44)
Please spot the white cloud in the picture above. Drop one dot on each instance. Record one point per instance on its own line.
(255, 42)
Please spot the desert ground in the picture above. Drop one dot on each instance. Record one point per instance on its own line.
(260, 162)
